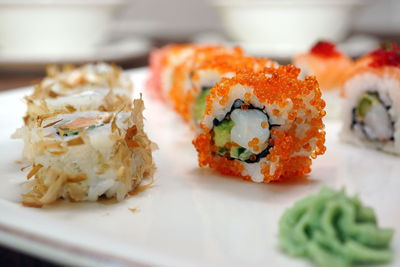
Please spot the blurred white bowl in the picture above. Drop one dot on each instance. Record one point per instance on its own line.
(294, 23)
(54, 27)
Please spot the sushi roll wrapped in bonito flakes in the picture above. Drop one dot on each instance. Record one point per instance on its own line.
(69, 80)
(101, 99)
(84, 155)
(372, 97)
(262, 126)
(99, 86)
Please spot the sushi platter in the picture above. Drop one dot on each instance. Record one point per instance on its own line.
(192, 201)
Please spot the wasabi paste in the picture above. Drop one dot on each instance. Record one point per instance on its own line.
(334, 230)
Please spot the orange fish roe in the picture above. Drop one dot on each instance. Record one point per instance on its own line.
(158, 61)
(275, 112)
(221, 164)
(226, 63)
(325, 49)
(290, 152)
(254, 143)
(324, 61)
(180, 93)
(264, 124)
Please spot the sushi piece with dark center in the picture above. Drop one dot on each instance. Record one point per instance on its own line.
(372, 93)
(262, 126)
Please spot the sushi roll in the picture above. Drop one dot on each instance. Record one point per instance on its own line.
(163, 62)
(101, 99)
(82, 156)
(70, 80)
(211, 71)
(171, 68)
(262, 126)
(372, 96)
(330, 66)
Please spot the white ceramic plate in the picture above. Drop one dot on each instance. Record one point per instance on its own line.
(191, 216)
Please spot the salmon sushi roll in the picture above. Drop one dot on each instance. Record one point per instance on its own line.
(330, 66)
(82, 156)
(372, 96)
(262, 126)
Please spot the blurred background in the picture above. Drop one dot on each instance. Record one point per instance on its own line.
(34, 33)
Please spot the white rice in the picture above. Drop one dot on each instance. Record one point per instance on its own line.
(389, 91)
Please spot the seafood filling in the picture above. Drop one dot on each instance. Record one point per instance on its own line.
(371, 118)
(243, 134)
(76, 126)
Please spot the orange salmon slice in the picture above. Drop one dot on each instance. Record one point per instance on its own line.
(80, 123)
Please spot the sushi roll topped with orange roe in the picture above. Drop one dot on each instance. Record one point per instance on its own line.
(326, 62)
(166, 65)
(262, 126)
(162, 62)
(211, 71)
(382, 59)
(372, 96)
(387, 55)
(330, 66)
(181, 84)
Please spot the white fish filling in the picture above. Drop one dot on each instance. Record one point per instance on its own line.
(377, 123)
(248, 125)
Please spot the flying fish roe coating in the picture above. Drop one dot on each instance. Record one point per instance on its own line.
(295, 108)
(387, 55)
(325, 49)
(270, 86)
(181, 94)
(328, 64)
(382, 62)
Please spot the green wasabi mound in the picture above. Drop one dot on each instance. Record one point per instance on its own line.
(334, 230)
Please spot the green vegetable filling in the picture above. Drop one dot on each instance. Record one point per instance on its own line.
(67, 132)
(222, 133)
(70, 132)
(222, 139)
(91, 127)
(333, 229)
(201, 104)
(365, 103)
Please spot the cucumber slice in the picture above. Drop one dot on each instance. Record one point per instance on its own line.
(235, 152)
(245, 155)
(70, 132)
(200, 104)
(222, 133)
(365, 103)
(240, 153)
